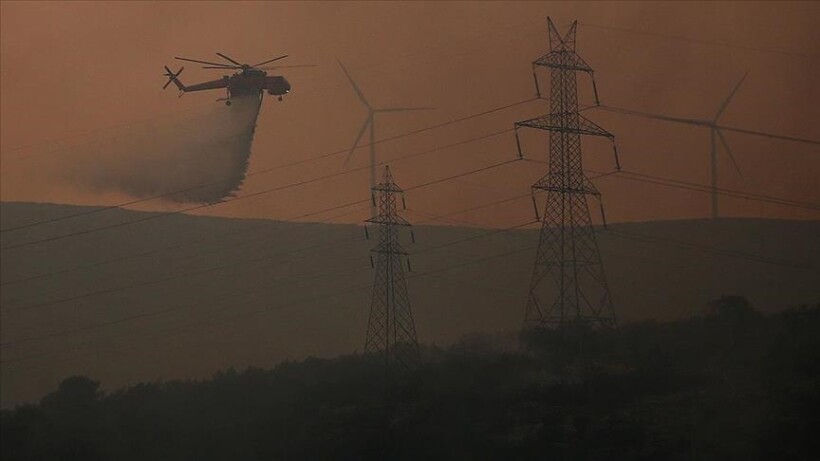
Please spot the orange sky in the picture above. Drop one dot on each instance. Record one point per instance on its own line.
(75, 72)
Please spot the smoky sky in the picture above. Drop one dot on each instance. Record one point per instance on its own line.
(73, 72)
(84, 120)
(201, 159)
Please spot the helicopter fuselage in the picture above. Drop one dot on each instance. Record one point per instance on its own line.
(252, 82)
(247, 82)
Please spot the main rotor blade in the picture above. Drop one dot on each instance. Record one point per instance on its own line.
(221, 67)
(229, 59)
(281, 67)
(355, 87)
(729, 98)
(271, 60)
(729, 151)
(366, 124)
(200, 62)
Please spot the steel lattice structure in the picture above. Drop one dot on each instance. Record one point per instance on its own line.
(390, 329)
(568, 286)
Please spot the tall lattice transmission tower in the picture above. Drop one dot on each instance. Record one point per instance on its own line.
(568, 286)
(390, 329)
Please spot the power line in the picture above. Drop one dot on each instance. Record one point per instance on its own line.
(339, 152)
(268, 170)
(701, 41)
(96, 326)
(630, 235)
(636, 113)
(713, 250)
(250, 195)
(189, 243)
(220, 267)
(301, 277)
(193, 273)
(398, 59)
(623, 174)
(160, 280)
(669, 182)
(344, 205)
(721, 191)
(284, 305)
(433, 182)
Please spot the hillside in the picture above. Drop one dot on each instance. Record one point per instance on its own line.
(735, 385)
(255, 292)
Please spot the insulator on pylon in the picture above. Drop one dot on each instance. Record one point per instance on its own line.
(603, 215)
(535, 78)
(373, 199)
(371, 262)
(403, 203)
(595, 89)
(617, 160)
(366, 234)
(518, 144)
(535, 207)
(409, 269)
(412, 236)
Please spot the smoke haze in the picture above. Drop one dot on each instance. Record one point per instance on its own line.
(200, 159)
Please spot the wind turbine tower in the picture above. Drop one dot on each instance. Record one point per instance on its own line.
(370, 122)
(715, 134)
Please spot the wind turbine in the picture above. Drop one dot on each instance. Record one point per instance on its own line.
(370, 122)
(714, 134)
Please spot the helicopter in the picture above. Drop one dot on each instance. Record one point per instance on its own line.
(251, 80)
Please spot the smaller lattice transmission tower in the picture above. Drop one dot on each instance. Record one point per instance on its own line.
(568, 286)
(391, 332)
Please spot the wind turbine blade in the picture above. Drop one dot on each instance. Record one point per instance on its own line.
(729, 98)
(355, 87)
(729, 152)
(769, 135)
(200, 62)
(403, 109)
(359, 137)
(635, 113)
(229, 59)
(271, 60)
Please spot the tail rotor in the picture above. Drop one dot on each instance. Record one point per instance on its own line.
(172, 77)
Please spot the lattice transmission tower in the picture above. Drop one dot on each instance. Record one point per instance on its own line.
(568, 285)
(391, 331)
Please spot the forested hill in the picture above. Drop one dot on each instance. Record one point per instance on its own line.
(181, 296)
(731, 385)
